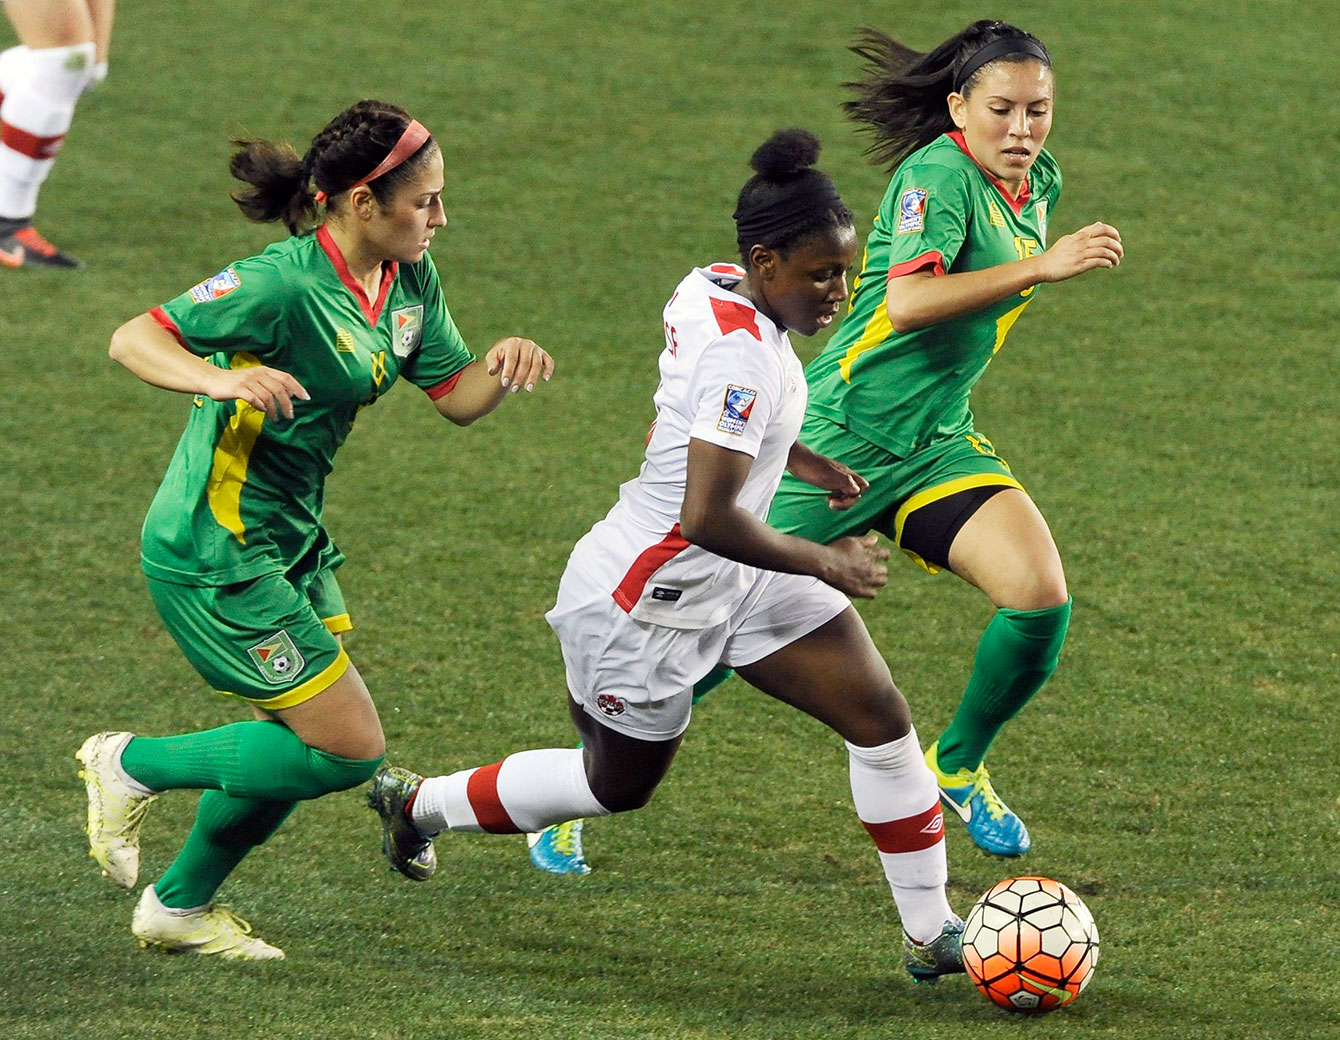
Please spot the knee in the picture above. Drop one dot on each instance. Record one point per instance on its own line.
(621, 797)
(876, 716)
(1042, 589)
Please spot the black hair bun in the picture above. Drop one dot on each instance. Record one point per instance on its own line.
(785, 154)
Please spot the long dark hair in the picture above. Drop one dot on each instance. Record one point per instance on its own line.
(280, 181)
(900, 98)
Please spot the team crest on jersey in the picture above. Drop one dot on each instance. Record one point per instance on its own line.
(1041, 209)
(344, 341)
(220, 285)
(912, 211)
(277, 658)
(736, 408)
(994, 215)
(406, 330)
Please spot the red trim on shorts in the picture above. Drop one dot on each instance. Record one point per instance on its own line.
(911, 833)
(371, 312)
(445, 387)
(933, 259)
(482, 792)
(731, 316)
(1015, 203)
(31, 145)
(648, 563)
(161, 316)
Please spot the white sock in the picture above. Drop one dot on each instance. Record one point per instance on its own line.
(897, 799)
(527, 791)
(40, 92)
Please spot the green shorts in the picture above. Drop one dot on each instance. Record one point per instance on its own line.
(270, 641)
(898, 486)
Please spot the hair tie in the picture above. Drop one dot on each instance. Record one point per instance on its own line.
(998, 49)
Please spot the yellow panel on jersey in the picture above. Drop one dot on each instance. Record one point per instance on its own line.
(876, 331)
(229, 472)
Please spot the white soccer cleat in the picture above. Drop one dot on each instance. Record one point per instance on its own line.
(214, 930)
(115, 809)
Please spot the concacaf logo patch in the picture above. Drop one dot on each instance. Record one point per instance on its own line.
(277, 658)
(912, 211)
(220, 285)
(406, 330)
(736, 408)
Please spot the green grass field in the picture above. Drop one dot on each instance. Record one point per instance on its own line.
(1175, 419)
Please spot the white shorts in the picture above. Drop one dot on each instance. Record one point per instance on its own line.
(638, 678)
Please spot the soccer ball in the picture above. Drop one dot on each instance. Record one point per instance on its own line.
(1030, 945)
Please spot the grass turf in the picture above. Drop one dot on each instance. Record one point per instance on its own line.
(1175, 420)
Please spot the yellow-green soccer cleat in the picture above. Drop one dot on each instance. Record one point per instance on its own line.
(991, 824)
(408, 851)
(115, 809)
(213, 931)
(558, 849)
(943, 955)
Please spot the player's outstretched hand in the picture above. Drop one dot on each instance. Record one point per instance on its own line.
(1098, 245)
(520, 362)
(268, 389)
(859, 566)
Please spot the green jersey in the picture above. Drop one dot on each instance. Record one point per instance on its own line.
(942, 212)
(243, 494)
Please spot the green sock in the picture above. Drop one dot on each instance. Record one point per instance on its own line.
(263, 760)
(710, 682)
(1016, 655)
(225, 830)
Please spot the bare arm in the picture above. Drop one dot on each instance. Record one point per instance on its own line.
(710, 518)
(153, 354)
(922, 298)
(843, 484)
(509, 365)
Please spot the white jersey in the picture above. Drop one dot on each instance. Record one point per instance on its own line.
(729, 377)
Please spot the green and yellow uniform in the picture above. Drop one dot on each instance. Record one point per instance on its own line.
(894, 406)
(238, 561)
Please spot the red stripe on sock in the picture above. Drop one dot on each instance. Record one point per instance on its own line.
(482, 791)
(911, 833)
(31, 145)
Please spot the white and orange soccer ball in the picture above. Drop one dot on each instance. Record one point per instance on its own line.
(1030, 945)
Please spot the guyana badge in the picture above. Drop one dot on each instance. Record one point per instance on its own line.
(277, 658)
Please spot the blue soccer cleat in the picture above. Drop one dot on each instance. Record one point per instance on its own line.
(991, 824)
(558, 849)
(943, 955)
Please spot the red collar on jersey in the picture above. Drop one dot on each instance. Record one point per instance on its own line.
(1016, 204)
(371, 312)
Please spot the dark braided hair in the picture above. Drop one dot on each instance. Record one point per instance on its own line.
(349, 148)
(901, 98)
(785, 179)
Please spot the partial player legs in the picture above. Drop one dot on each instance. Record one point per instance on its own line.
(1007, 551)
(835, 674)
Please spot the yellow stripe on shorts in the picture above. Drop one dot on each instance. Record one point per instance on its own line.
(305, 692)
(934, 494)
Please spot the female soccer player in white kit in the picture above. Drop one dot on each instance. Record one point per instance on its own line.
(684, 574)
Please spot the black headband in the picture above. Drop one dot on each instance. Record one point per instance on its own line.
(803, 198)
(998, 49)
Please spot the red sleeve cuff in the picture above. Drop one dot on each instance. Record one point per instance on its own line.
(161, 316)
(933, 259)
(443, 388)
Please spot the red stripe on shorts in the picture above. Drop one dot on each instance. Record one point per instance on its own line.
(31, 145)
(482, 791)
(911, 833)
(648, 563)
